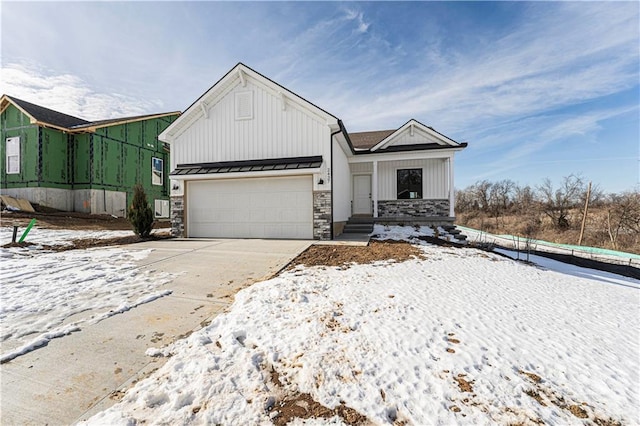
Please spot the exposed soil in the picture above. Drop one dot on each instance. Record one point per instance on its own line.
(49, 218)
(93, 242)
(295, 405)
(463, 384)
(303, 406)
(347, 255)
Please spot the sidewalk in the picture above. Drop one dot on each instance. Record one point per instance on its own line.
(78, 375)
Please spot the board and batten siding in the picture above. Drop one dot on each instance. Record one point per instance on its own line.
(418, 137)
(271, 133)
(434, 178)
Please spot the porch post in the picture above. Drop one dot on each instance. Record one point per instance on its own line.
(374, 188)
(452, 198)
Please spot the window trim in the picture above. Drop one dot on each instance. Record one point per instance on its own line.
(8, 156)
(153, 171)
(420, 193)
(161, 208)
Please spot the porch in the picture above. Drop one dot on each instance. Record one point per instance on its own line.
(418, 191)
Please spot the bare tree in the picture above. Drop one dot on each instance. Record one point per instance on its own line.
(524, 198)
(557, 203)
(481, 191)
(623, 216)
(500, 198)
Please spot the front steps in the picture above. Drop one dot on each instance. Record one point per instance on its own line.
(454, 232)
(358, 225)
(364, 225)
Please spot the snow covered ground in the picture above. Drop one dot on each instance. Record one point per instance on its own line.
(459, 337)
(39, 235)
(51, 294)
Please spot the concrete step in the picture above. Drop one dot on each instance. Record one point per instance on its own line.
(360, 219)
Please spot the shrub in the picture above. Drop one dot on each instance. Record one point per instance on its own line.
(140, 214)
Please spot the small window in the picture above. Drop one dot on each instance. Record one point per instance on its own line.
(12, 146)
(161, 208)
(409, 184)
(244, 105)
(157, 171)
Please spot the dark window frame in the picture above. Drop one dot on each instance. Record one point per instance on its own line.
(409, 184)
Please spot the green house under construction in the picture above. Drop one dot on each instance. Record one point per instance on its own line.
(67, 163)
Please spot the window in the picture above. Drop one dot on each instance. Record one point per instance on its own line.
(12, 146)
(157, 171)
(244, 105)
(409, 184)
(161, 208)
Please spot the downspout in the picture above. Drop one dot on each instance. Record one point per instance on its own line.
(332, 172)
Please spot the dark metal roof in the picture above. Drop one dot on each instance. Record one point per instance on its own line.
(291, 163)
(49, 116)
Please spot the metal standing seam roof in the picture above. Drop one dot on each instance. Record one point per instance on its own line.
(290, 163)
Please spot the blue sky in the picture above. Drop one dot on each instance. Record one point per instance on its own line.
(541, 89)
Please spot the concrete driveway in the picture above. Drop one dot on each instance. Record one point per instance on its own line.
(83, 373)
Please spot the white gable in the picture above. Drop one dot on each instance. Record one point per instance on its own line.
(246, 116)
(415, 133)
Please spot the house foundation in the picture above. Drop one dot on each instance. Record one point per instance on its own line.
(413, 208)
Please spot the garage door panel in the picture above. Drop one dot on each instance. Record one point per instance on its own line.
(251, 208)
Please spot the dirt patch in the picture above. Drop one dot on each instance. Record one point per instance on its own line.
(321, 255)
(93, 242)
(464, 385)
(535, 395)
(303, 406)
(55, 219)
(532, 376)
(297, 405)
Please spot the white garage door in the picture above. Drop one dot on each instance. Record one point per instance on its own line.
(251, 208)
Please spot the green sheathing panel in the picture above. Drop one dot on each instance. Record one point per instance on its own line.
(115, 158)
(81, 161)
(14, 123)
(56, 164)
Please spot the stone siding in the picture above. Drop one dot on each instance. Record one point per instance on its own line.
(177, 216)
(322, 215)
(413, 208)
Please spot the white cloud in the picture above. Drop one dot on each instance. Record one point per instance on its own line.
(70, 94)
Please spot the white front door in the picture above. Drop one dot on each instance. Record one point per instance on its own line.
(362, 194)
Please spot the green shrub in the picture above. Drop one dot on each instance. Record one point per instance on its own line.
(140, 214)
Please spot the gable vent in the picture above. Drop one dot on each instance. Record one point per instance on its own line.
(244, 105)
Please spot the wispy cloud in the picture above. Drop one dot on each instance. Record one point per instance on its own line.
(358, 17)
(69, 94)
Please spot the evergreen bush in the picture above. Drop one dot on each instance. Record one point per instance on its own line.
(140, 214)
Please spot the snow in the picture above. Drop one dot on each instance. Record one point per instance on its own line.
(566, 268)
(39, 235)
(400, 341)
(46, 294)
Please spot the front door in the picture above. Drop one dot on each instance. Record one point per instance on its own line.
(362, 194)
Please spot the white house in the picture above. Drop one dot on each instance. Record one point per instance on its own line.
(252, 159)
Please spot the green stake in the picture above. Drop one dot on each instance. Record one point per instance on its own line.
(26, 231)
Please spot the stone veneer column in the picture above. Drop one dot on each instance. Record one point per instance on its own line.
(322, 215)
(413, 208)
(177, 216)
